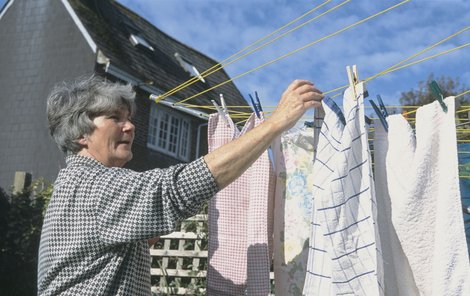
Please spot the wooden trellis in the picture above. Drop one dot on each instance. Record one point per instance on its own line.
(179, 259)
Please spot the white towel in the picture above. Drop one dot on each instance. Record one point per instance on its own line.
(422, 175)
(398, 278)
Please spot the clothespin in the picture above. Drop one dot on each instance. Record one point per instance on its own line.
(380, 115)
(309, 124)
(224, 106)
(255, 106)
(353, 78)
(258, 103)
(382, 106)
(222, 110)
(381, 111)
(438, 94)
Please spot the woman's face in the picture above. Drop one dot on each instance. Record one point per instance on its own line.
(111, 141)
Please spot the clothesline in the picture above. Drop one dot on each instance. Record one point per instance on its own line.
(466, 108)
(388, 70)
(395, 67)
(296, 50)
(233, 58)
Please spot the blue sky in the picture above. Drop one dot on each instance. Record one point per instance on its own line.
(220, 28)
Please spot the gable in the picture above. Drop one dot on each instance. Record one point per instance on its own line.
(136, 47)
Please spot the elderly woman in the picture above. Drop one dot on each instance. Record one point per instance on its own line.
(94, 238)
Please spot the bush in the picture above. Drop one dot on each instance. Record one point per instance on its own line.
(20, 230)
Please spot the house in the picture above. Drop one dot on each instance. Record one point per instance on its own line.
(44, 42)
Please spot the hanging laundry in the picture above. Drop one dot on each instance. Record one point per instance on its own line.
(422, 174)
(344, 252)
(398, 278)
(293, 153)
(240, 222)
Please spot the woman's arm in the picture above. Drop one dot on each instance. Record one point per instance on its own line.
(230, 161)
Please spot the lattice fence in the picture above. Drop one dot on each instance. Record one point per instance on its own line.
(179, 260)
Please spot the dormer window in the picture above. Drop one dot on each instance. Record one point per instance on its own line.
(188, 67)
(138, 40)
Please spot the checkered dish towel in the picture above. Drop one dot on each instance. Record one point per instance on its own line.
(344, 255)
(240, 222)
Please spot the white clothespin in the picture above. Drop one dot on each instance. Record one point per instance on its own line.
(223, 112)
(224, 106)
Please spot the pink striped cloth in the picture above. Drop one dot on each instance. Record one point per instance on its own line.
(240, 222)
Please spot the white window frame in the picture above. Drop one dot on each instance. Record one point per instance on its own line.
(188, 67)
(169, 132)
(137, 39)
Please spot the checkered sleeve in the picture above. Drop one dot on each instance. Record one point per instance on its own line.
(132, 206)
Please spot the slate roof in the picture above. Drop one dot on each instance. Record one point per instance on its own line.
(110, 25)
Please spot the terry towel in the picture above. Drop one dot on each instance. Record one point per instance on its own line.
(398, 278)
(422, 173)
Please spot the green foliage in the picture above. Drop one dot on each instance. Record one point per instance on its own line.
(20, 230)
(423, 95)
(449, 87)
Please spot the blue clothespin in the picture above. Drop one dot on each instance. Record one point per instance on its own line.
(309, 124)
(380, 114)
(382, 106)
(255, 106)
(438, 94)
(258, 103)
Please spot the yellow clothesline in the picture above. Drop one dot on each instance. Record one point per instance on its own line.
(233, 58)
(297, 50)
(383, 73)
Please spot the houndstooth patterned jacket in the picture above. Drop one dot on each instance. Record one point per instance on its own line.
(94, 235)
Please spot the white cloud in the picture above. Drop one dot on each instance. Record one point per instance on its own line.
(220, 28)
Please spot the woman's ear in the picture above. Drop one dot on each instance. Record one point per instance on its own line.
(83, 140)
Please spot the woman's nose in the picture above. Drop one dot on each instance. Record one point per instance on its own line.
(129, 126)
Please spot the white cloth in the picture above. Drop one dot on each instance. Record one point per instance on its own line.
(398, 278)
(344, 256)
(293, 154)
(422, 173)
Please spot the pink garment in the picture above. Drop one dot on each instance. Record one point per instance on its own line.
(240, 222)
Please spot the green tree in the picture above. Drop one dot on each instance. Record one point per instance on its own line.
(20, 230)
(450, 87)
(423, 95)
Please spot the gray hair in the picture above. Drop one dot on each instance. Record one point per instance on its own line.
(72, 106)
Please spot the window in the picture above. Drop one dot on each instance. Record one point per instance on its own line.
(137, 40)
(188, 67)
(169, 133)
